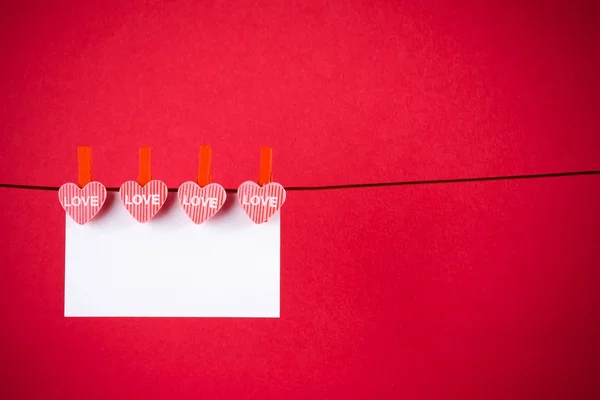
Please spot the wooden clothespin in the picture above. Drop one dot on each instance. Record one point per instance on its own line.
(204, 176)
(265, 174)
(145, 175)
(82, 201)
(145, 197)
(84, 161)
(202, 200)
(261, 201)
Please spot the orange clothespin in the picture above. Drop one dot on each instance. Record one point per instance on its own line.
(261, 201)
(204, 199)
(82, 201)
(145, 197)
(265, 174)
(204, 177)
(144, 172)
(84, 161)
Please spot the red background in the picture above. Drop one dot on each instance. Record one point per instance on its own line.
(471, 290)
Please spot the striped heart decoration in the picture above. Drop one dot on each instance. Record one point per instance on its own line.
(201, 203)
(82, 204)
(260, 203)
(143, 202)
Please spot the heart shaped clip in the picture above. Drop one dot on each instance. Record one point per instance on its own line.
(83, 201)
(261, 201)
(204, 199)
(145, 197)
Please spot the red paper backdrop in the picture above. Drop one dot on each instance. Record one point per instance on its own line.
(473, 290)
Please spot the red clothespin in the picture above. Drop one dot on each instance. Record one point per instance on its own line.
(83, 201)
(144, 172)
(261, 201)
(204, 166)
(204, 199)
(145, 197)
(84, 161)
(265, 174)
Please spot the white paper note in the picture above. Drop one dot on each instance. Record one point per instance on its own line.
(171, 267)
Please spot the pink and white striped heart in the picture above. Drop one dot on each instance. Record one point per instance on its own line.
(201, 203)
(143, 202)
(82, 204)
(260, 203)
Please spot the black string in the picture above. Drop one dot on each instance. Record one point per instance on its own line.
(364, 185)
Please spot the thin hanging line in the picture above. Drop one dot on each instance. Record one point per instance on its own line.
(364, 185)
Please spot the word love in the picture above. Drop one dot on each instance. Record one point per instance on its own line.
(81, 201)
(82, 204)
(201, 203)
(258, 201)
(210, 202)
(143, 202)
(143, 199)
(261, 202)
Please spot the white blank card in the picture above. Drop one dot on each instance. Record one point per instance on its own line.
(171, 267)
